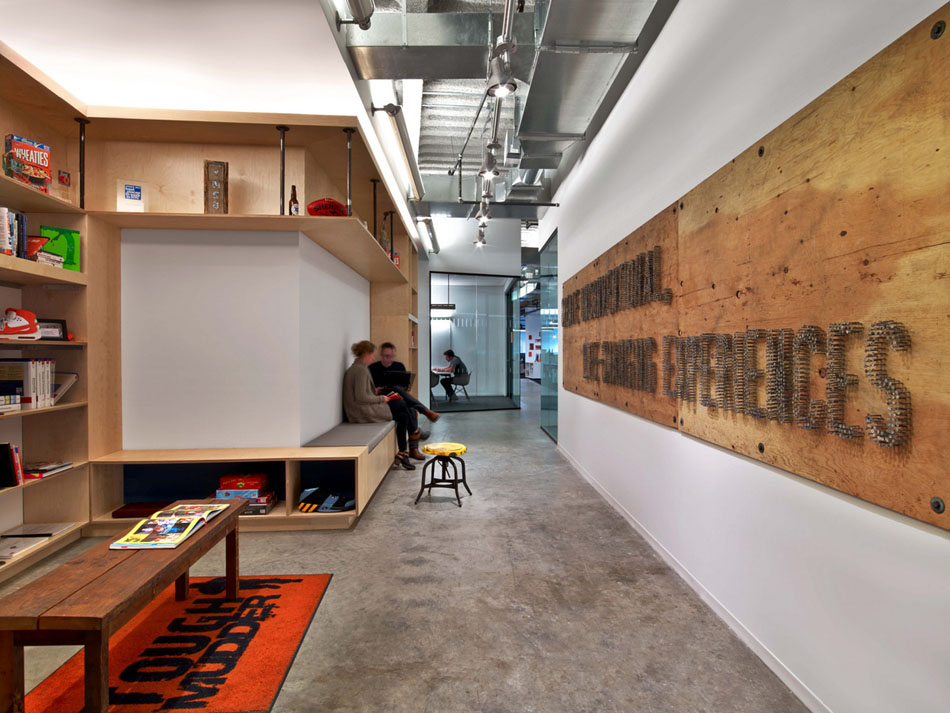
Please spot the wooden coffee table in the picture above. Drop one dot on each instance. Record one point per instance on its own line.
(87, 599)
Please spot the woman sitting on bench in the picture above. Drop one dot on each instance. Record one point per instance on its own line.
(362, 404)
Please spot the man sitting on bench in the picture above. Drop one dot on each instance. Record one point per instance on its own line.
(390, 376)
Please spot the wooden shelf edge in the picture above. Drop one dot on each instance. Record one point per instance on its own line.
(22, 198)
(26, 272)
(229, 455)
(275, 520)
(413, 318)
(23, 344)
(346, 238)
(36, 481)
(37, 411)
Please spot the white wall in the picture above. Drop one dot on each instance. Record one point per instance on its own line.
(233, 339)
(847, 602)
(501, 255)
(334, 313)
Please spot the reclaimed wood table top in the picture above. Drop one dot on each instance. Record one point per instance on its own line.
(101, 589)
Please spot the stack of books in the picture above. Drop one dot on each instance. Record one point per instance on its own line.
(253, 488)
(32, 383)
(11, 466)
(13, 235)
(35, 471)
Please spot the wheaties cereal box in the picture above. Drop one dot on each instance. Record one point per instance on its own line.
(27, 162)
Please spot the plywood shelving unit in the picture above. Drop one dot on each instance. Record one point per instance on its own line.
(164, 150)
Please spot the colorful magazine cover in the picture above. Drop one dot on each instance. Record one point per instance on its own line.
(168, 528)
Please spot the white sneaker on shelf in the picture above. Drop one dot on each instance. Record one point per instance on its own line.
(19, 324)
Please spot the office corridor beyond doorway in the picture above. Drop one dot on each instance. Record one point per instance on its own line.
(533, 596)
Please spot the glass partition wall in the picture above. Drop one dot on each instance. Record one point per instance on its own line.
(470, 315)
(549, 337)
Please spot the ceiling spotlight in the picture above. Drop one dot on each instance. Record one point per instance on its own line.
(489, 167)
(483, 215)
(361, 11)
(480, 237)
(501, 83)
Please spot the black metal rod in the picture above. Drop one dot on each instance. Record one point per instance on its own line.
(518, 203)
(458, 163)
(283, 130)
(349, 170)
(82, 121)
(392, 235)
(375, 183)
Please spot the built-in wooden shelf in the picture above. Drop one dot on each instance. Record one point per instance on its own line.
(20, 197)
(54, 543)
(229, 455)
(35, 481)
(345, 238)
(24, 344)
(277, 519)
(38, 411)
(17, 271)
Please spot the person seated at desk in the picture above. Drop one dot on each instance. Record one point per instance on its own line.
(390, 376)
(455, 367)
(362, 404)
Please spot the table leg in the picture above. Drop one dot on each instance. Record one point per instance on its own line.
(11, 674)
(231, 565)
(181, 587)
(97, 672)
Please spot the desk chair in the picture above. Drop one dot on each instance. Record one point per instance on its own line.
(433, 382)
(462, 380)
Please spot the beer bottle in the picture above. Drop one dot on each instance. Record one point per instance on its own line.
(294, 207)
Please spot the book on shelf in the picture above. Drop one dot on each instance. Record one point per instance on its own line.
(34, 381)
(58, 247)
(62, 382)
(13, 232)
(166, 529)
(38, 529)
(11, 468)
(35, 471)
(13, 547)
(259, 508)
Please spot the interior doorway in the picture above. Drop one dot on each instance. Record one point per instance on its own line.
(469, 317)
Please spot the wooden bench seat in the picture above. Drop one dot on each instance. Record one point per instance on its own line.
(87, 599)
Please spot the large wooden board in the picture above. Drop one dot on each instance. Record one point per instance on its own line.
(840, 215)
(645, 321)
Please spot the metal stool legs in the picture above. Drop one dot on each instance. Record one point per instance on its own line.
(443, 480)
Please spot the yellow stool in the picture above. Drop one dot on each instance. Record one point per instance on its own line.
(445, 454)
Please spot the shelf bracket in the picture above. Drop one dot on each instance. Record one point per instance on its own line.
(82, 121)
(349, 170)
(283, 131)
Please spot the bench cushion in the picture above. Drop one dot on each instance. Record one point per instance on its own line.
(354, 434)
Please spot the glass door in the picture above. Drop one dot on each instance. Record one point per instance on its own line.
(513, 299)
(549, 337)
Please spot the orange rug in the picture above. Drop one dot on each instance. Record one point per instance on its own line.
(208, 653)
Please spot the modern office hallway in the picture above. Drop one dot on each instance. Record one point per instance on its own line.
(534, 596)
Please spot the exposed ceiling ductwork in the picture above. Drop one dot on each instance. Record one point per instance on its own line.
(572, 61)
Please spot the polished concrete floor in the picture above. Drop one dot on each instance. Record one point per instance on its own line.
(534, 596)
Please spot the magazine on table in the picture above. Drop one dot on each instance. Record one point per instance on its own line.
(168, 528)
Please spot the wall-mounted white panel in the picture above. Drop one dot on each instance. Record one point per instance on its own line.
(210, 339)
(334, 313)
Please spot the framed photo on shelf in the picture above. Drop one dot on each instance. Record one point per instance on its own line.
(52, 329)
